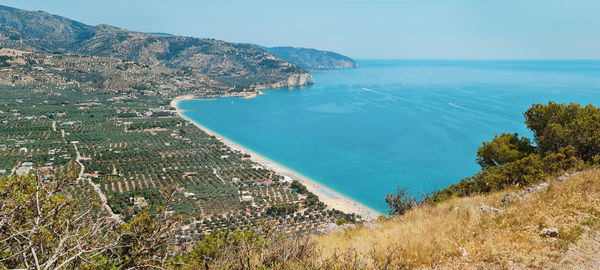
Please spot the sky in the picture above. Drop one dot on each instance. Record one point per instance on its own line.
(363, 29)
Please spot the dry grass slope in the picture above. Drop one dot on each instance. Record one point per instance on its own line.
(457, 235)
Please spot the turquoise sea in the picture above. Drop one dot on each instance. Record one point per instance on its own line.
(364, 132)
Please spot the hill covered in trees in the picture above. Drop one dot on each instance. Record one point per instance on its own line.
(234, 63)
(104, 74)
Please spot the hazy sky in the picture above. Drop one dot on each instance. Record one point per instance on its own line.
(399, 29)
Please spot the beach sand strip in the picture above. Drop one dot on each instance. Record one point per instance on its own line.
(330, 197)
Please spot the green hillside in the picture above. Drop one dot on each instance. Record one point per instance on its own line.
(237, 64)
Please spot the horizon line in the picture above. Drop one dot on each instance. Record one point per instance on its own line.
(475, 59)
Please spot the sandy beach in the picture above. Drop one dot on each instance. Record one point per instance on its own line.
(331, 198)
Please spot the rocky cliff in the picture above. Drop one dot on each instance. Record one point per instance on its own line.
(294, 80)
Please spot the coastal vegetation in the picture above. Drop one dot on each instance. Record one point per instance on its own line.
(533, 205)
(162, 227)
(87, 115)
(458, 234)
(131, 158)
(565, 137)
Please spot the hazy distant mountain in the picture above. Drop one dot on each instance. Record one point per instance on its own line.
(234, 63)
(312, 59)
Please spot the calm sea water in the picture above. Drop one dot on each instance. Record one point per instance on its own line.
(364, 132)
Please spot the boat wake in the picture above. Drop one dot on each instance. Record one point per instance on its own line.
(456, 106)
(373, 91)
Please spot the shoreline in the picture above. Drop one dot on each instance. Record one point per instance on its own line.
(330, 197)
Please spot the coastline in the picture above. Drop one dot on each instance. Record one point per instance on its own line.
(331, 198)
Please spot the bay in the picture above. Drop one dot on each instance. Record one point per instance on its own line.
(363, 132)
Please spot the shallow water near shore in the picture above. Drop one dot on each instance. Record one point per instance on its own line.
(364, 132)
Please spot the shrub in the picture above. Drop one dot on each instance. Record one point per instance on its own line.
(504, 149)
(556, 126)
(400, 203)
(282, 209)
(567, 137)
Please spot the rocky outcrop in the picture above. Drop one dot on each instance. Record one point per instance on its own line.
(549, 232)
(565, 176)
(514, 197)
(511, 198)
(485, 208)
(293, 80)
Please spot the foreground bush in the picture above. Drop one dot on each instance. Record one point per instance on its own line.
(43, 227)
(401, 202)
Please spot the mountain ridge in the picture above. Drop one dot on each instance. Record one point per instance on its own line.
(312, 59)
(232, 63)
